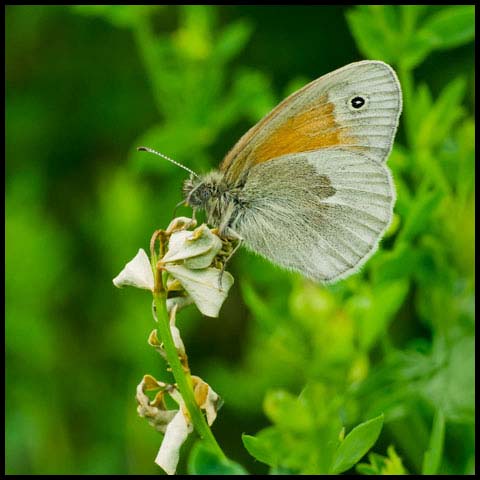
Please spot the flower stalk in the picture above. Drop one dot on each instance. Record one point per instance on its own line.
(182, 375)
(182, 269)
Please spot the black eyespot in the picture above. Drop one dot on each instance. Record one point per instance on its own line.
(357, 102)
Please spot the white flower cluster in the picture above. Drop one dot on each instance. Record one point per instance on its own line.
(188, 260)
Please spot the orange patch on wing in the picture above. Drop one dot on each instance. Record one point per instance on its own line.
(311, 129)
(314, 127)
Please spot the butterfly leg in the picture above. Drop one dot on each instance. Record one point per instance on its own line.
(179, 204)
(235, 236)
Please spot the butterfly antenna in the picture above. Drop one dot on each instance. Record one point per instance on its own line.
(146, 149)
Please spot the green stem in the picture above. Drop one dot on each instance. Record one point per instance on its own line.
(146, 42)
(182, 378)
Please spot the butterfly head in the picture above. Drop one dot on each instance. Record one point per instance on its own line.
(199, 192)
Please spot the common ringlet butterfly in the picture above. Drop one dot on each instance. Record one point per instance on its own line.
(307, 187)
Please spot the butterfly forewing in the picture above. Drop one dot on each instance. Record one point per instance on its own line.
(356, 107)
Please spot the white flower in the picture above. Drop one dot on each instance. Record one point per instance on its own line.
(203, 286)
(175, 435)
(188, 261)
(137, 273)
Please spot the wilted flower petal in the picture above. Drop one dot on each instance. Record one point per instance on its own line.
(157, 417)
(203, 286)
(137, 273)
(175, 435)
(206, 398)
(175, 424)
(181, 223)
(177, 339)
(197, 248)
(211, 405)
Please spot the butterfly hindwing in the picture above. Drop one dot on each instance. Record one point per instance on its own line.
(320, 213)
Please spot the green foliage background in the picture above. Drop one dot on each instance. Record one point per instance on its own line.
(295, 362)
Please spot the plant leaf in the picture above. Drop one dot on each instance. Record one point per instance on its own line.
(420, 214)
(283, 408)
(375, 312)
(259, 449)
(367, 35)
(232, 40)
(451, 27)
(433, 456)
(356, 445)
(442, 116)
(203, 461)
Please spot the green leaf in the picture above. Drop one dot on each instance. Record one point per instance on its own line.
(411, 14)
(452, 388)
(118, 15)
(433, 456)
(368, 36)
(203, 461)
(464, 161)
(283, 408)
(451, 26)
(395, 264)
(416, 50)
(442, 116)
(419, 216)
(380, 465)
(356, 444)
(366, 469)
(260, 449)
(265, 317)
(232, 40)
(282, 471)
(375, 311)
(423, 103)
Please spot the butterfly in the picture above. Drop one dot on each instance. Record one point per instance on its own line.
(308, 187)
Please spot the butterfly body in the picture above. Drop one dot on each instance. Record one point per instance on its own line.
(307, 187)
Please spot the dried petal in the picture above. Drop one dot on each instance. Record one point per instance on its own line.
(175, 435)
(203, 286)
(211, 405)
(206, 398)
(181, 223)
(177, 339)
(137, 273)
(157, 417)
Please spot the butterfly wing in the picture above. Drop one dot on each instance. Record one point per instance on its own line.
(321, 115)
(320, 213)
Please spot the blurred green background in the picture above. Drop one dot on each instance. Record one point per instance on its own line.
(86, 85)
